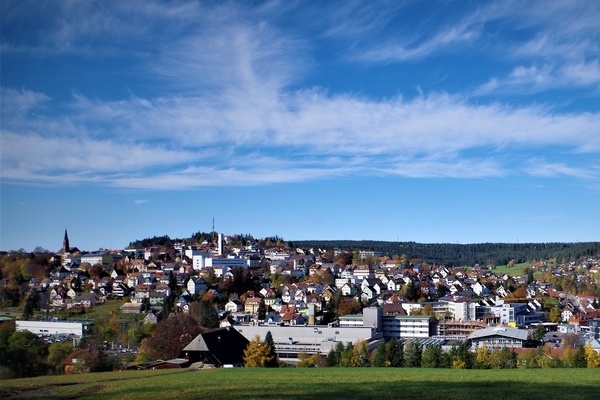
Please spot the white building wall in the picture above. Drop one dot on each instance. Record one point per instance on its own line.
(45, 328)
(405, 327)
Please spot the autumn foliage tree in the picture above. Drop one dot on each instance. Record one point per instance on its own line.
(169, 338)
(257, 354)
(348, 305)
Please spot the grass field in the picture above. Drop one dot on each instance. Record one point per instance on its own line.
(313, 383)
(515, 270)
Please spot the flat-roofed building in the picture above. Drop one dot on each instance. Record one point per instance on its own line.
(47, 328)
(407, 326)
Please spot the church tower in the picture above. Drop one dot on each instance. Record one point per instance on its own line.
(66, 247)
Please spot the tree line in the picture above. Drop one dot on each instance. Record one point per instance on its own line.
(465, 254)
(398, 353)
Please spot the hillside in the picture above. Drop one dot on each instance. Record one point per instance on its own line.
(465, 254)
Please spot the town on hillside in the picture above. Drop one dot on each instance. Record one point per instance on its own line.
(204, 302)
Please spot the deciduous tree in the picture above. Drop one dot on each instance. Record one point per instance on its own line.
(257, 354)
(169, 338)
(348, 305)
(360, 354)
(591, 357)
(483, 358)
(27, 354)
(57, 353)
(555, 315)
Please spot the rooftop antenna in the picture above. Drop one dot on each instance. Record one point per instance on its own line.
(213, 230)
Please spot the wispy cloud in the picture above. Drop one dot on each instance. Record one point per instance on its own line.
(308, 135)
(232, 109)
(534, 79)
(409, 47)
(540, 167)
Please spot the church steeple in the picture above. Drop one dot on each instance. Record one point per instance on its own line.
(66, 247)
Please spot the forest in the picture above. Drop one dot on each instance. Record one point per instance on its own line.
(465, 254)
(453, 255)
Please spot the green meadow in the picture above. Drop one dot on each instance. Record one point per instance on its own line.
(515, 270)
(313, 383)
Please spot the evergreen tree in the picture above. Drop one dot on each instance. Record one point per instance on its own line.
(206, 313)
(272, 353)
(395, 353)
(379, 356)
(346, 355)
(539, 332)
(261, 313)
(335, 355)
(432, 356)
(412, 357)
(530, 277)
(579, 360)
(31, 303)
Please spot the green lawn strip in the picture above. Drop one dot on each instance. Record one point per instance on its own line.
(324, 383)
(64, 386)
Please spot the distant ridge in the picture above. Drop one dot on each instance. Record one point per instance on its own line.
(465, 254)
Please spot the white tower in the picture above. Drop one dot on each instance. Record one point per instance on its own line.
(220, 246)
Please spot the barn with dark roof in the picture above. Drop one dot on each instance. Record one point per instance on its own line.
(218, 347)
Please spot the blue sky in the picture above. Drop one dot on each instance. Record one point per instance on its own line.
(428, 121)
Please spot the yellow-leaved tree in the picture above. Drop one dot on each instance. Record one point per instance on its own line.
(257, 354)
(592, 358)
(483, 357)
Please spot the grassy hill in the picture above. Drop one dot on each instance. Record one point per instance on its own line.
(313, 383)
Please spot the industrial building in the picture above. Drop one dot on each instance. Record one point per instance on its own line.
(48, 328)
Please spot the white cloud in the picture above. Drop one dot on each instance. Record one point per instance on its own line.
(309, 135)
(230, 113)
(20, 102)
(534, 79)
(400, 49)
(542, 168)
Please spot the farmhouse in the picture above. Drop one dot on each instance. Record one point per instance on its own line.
(218, 347)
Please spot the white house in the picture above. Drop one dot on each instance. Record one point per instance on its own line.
(196, 285)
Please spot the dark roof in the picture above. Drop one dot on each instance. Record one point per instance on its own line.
(393, 309)
(217, 346)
